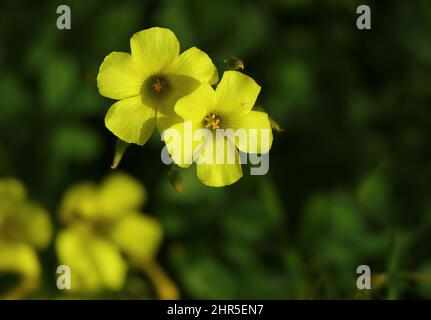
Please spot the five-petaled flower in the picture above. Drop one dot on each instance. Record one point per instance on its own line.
(149, 81)
(107, 233)
(227, 107)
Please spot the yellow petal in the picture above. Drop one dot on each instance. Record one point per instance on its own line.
(20, 258)
(257, 137)
(119, 77)
(214, 79)
(181, 144)
(154, 49)
(12, 188)
(95, 262)
(214, 169)
(236, 93)
(37, 229)
(131, 120)
(196, 105)
(119, 194)
(196, 64)
(138, 236)
(181, 86)
(81, 200)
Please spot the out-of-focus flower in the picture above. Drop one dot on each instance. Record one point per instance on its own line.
(149, 81)
(107, 233)
(228, 107)
(24, 228)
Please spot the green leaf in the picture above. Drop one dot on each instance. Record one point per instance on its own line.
(59, 83)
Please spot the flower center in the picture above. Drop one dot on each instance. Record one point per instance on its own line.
(158, 85)
(7, 229)
(212, 121)
(99, 226)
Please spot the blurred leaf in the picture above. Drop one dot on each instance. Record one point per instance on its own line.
(399, 244)
(271, 200)
(15, 99)
(424, 282)
(249, 223)
(176, 16)
(58, 84)
(124, 19)
(373, 193)
(205, 277)
(75, 143)
(193, 190)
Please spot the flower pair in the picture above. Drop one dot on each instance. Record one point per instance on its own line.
(158, 87)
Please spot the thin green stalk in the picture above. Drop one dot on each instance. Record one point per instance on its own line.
(397, 248)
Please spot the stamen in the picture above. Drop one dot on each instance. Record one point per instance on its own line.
(212, 121)
(158, 85)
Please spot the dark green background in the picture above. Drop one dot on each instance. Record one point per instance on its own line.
(349, 180)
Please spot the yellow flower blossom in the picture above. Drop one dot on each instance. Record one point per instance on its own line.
(149, 81)
(24, 228)
(227, 107)
(106, 234)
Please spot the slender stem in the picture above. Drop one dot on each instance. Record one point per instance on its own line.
(312, 292)
(394, 265)
(164, 286)
(416, 276)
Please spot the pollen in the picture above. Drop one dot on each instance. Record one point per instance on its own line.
(158, 85)
(212, 121)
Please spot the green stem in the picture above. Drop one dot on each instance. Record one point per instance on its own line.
(164, 286)
(397, 248)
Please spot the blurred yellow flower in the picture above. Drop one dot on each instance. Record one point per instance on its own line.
(107, 233)
(149, 81)
(24, 228)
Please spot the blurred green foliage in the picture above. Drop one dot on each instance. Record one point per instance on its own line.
(350, 177)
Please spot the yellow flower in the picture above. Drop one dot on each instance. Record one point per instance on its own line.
(149, 81)
(229, 107)
(24, 228)
(104, 224)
